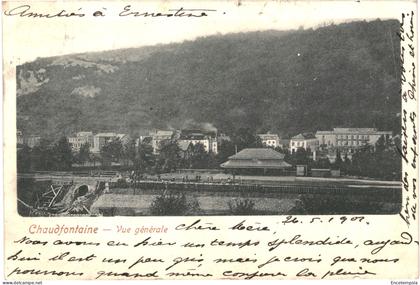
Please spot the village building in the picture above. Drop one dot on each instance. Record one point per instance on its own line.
(100, 139)
(28, 140)
(269, 140)
(19, 137)
(257, 161)
(207, 139)
(350, 138)
(222, 137)
(80, 139)
(144, 137)
(307, 141)
(32, 140)
(144, 140)
(159, 136)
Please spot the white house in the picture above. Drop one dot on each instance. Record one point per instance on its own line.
(306, 141)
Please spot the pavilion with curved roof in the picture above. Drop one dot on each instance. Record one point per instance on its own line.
(257, 160)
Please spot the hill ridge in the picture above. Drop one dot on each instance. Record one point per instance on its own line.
(280, 81)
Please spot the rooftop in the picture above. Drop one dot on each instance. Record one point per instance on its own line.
(262, 136)
(324, 132)
(193, 137)
(183, 145)
(82, 134)
(106, 135)
(257, 153)
(353, 131)
(162, 133)
(256, 163)
(304, 136)
(196, 134)
(262, 158)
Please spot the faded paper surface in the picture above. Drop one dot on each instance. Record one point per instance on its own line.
(208, 247)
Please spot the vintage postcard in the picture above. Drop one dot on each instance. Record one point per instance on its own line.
(210, 140)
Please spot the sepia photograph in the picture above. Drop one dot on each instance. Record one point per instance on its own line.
(302, 121)
(210, 140)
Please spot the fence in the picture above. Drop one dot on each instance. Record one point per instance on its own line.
(371, 193)
(90, 173)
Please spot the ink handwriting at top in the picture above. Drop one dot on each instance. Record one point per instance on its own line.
(411, 51)
(408, 148)
(28, 12)
(181, 12)
(408, 70)
(410, 32)
(25, 11)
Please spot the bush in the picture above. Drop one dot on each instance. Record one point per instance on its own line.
(173, 204)
(241, 207)
(121, 183)
(338, 205)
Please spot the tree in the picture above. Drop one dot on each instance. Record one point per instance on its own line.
(84, 153)
(196, 156)
(226, 148)
(241, 207)
(112, 151)
(383, 162)
(323, 163)
(174, 204)
(62, 154)
(187, 158)
(346, 164)
(245, 138)
(143, 161)
(169, 156)
(338, 161)
(94, 158)
(281, 150)
(129, 152)
(380, 144)
(299, 157)
(42, 157)
(24, 159)
(144, 158)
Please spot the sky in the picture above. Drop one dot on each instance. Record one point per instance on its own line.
(27, 38)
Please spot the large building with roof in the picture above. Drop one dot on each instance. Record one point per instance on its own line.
(80, 139)
(28, 140)
(270, 140)
(159, 136)
(350, 137)
(306, 141)
(100, 139)
(207, 138)
(257, 160)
